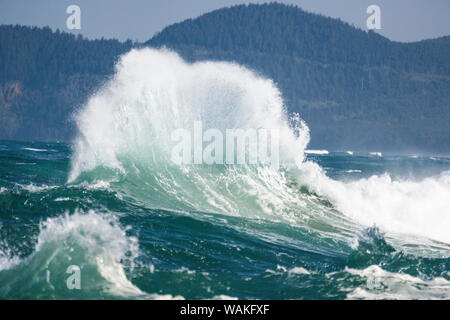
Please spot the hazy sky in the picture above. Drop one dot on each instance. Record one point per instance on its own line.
(401, 20)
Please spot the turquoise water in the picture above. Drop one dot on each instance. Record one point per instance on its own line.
(128, 248)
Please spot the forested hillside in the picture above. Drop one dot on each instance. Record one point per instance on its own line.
(45, 75)
(288, 31)
(356, 90)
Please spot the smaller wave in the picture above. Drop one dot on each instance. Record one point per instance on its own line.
(349, 152)
(62, 199)
(31, 187)
(378, 154)
(95, 185)
(95, 242)
(7, 260)
(294, 270)
(382, 284)
(353, 171)
(223, 297)
(34, 188)
(401, 206)
(35, 149)
(298, 270)
(102, 240)
(316, 151)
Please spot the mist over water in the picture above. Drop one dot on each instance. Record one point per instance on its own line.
(323, 225)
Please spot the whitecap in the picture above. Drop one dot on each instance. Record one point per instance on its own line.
(316, 151)
(378, 154)
(381, 284)
(35, 149)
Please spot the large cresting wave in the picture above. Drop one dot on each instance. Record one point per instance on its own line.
(125, 139)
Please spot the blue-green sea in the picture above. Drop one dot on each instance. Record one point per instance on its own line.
(127, 247)
(111, 215)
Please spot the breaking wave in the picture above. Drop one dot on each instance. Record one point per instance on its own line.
(125, 132)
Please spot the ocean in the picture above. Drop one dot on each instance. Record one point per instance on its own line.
(110, 216)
